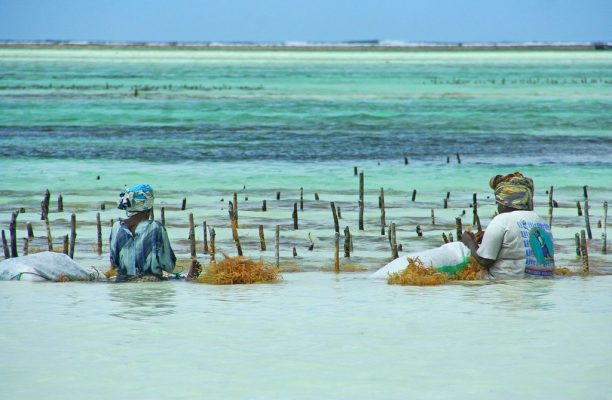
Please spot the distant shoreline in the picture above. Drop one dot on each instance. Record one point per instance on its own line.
(323, 47)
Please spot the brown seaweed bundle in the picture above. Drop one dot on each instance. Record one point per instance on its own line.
(563, 271)
(417, 274)
(111, 273)
(470, 273)
(238, 270)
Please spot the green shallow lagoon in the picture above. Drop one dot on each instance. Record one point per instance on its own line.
(203, 125)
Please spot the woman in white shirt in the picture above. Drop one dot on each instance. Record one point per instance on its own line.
(517, 242)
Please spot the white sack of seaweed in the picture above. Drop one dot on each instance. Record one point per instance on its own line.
(45, 266)
(450, 259)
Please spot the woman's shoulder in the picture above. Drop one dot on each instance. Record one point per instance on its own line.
(153, 225)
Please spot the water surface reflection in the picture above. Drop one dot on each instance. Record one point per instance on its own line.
(141, 301)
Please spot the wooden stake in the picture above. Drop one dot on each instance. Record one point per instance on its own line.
(236, 207)
(294, 252)
(405, 160)
(355, 170)
(394, 252)
(448, 195)
(277, 195)
(459, 227)
(99, 231)
(163, 216)
(448, 159)
(234, 229)
(579, 209)
(263, 206)
(335, 215)
(414, 195)
(578, 249)
(72, 235)
(317, 196)
(192, 242)
(66, 245)
(337, 253)
(25, 246)
(43, 210)
(361, 201)
(295, 216)
(205, 237)
(13, 232)
(450, 237)
(103, 207)
(550, 196)
(419, 231)
(433, 217)
(301, 199)
(262, 239)
(277, 246)
(184, 204)
(339, 213)
(587, 219)
(60, 203)
(550, 206)
(585, 191)
(445, 203)
(5, 246)
(47, 200)
(347, 242)
(311, 245)
(383, 222)
(474, 207)
(30, 230)
(584, 250)
(212, 246)
(458, 159)
(49, 238)
(444, 237)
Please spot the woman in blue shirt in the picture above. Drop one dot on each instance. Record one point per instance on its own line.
(139, 247)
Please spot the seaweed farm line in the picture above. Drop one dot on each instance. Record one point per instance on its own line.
(306, 220)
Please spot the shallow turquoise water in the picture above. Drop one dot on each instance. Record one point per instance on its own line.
(313, 335)
(209, 124)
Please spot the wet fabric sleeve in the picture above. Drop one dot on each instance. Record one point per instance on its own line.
(166, 256)
(114, 257)
(492, 241)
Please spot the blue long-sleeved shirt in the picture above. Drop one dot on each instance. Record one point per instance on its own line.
(147, 251)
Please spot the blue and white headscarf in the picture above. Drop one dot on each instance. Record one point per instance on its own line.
(136, 199)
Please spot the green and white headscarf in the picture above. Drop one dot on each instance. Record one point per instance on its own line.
(513, 191)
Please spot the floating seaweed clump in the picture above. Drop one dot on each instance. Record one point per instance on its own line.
(470, 273)
(111, 273)
(417, 274)
(563, 271)
(239, 270)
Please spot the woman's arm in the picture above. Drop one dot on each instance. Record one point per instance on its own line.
(469, 241)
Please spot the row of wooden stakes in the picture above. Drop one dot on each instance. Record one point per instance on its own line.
(582, 239)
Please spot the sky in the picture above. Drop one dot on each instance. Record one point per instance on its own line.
(307, 20)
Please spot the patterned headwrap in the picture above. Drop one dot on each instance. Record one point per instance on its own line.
(136, 199)
(513, 191)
